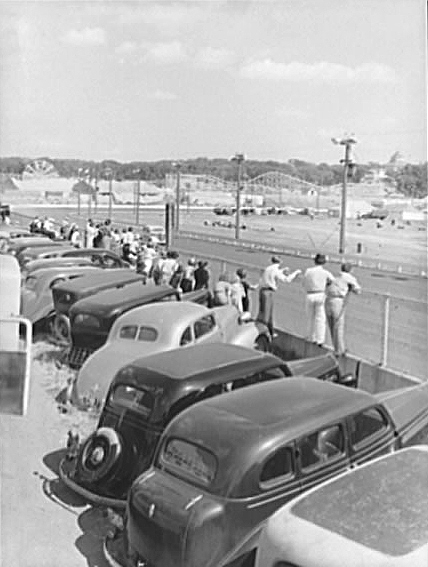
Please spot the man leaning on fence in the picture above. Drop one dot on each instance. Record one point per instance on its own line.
(269, 280)
(337, 293)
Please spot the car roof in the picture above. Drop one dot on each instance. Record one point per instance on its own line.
(288, 408)
(108, 300)
(199, 360)
(117, 275)
(57, 271)
(173, 312)
(397, 503)
(41, 263)
(49, 248)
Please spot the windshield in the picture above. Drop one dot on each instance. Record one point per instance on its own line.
(189, 460)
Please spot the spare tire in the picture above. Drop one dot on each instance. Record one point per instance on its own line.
(100, 455)
(61, 328)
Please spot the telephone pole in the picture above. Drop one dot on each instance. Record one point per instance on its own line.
(239, 159)
(348, 164)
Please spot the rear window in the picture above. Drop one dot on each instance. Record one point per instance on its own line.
(189, 460)
(367, 424)
(132, 332)
(128, 332)
(140, 400)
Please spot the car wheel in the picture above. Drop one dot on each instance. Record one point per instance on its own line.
(100, 455)
(61, 328)
(262, 343)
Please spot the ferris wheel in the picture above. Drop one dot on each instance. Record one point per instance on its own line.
(40, 168)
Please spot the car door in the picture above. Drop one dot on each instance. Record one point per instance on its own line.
(206, 330)
(322, 454)
(371, 434)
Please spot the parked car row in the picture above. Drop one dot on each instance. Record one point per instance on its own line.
(204, 434)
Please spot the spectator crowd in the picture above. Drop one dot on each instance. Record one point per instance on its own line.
(326, 299)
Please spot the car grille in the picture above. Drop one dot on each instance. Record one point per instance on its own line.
(77, 356)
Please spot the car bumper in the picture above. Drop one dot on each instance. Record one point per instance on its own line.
(66, 468)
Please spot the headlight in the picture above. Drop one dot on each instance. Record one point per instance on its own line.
(87, 320)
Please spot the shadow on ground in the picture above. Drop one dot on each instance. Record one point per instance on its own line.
(95, 525)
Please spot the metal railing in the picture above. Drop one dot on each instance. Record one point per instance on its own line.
(385, 330)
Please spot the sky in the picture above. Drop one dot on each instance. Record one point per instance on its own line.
(274, 80)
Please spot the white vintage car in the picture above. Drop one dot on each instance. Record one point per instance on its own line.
(158, 327)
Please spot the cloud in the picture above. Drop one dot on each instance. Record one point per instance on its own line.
(166, 17)
(86, 36)
(164, 52)
(212, 58)
(161, 95)
(323, 72)
(126, 48)
(286, 112)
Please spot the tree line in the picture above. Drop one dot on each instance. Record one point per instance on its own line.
(409, 179)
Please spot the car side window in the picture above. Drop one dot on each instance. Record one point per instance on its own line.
(204, 326)
(128, 332)
(96, 259)
(278, 466)
(186, 337)
(108, 261)
(321, 446)
(366, 424)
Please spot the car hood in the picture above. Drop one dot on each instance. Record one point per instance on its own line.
(99, 369)
(408, 408)
(35, 307)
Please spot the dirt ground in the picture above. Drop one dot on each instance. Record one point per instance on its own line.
(42, 523)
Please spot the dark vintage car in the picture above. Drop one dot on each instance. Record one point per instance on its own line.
(145, 395)
(375, 515)
(68, 293)
(223, 466)
(100, 257)
(92, 318)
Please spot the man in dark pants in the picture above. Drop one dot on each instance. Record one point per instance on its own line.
(269, 280)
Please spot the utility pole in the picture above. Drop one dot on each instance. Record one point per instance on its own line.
(137, 197)
(239, 159)
(177, 166)
(347, 165)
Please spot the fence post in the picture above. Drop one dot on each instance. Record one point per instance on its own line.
(385, 330)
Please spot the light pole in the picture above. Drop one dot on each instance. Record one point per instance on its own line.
(239, 159)
(137, 204)
(109, 174)
(347, 164)
(177, 166)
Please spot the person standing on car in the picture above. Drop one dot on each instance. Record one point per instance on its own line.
(269, 280)
(315, 280)
(335, 304)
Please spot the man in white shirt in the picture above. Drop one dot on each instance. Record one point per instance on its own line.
(315, 280)
(269, 280)
(335, 304)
